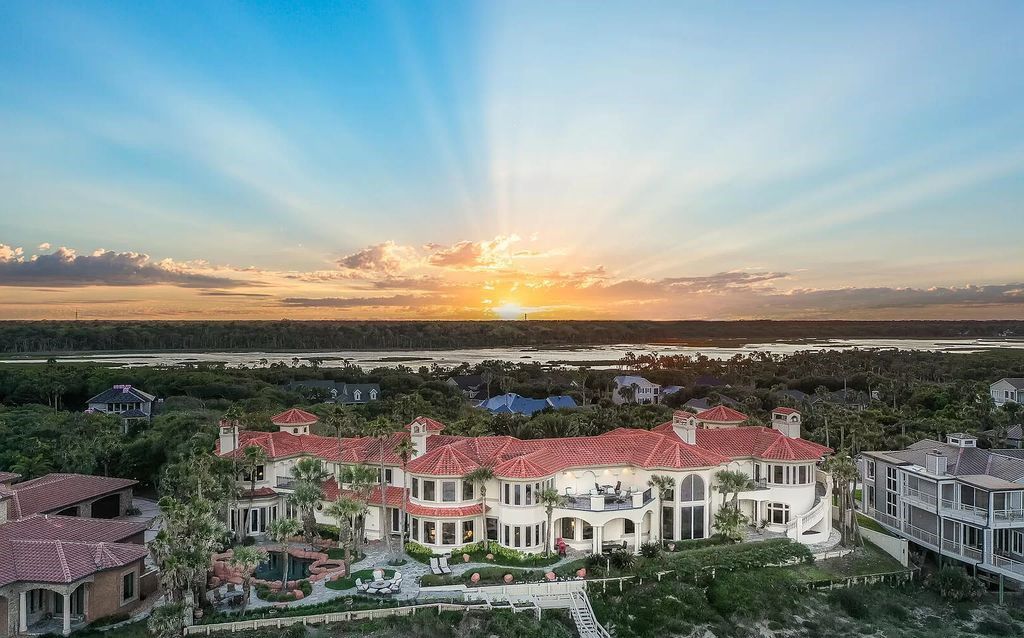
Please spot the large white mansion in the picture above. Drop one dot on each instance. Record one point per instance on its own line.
(604, 479)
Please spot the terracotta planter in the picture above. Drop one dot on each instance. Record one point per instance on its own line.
(581, 572)
(465, 558)
(490, 557)
(508, 579)
(671, 547)
(475, 578)
(550, 575)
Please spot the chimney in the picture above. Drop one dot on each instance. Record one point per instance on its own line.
(228, 435)
(786, 421)
(4, 501)
(419, 432)
(935, 462)
(685, 426)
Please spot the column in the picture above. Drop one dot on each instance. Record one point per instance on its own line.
(637, 527)
(597, 539)
(23, 613)
(551, 533)
(67, 613)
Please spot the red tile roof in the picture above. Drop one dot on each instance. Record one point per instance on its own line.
(394, 494)
(294, 416)
(63, 549)
(366, 449)
(416, 509)
(433, 425)
(755, 442)
(6, 477)
(721, 414)
(445, 461)
(259, 492)
(785, 410)
(54, 492)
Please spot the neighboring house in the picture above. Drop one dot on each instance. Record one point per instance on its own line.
(604, 479)
(127, 402)
(847, 397)
(338, 391)
(670, 389)
(953, 499)
(64, 563)
(1009, 390)
(1012, 437)
(472, 386)
(640, 390)
(795, 395)
(708, 381)
(512, 403)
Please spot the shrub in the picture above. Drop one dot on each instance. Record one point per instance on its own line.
(622, 559)
(418, 552)
(954, 583)
(330, 532)
(752, 592)
(650, 550)
(851, 600)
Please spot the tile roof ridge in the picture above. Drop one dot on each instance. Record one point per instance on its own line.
(63, 560)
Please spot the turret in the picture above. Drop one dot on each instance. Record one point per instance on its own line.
(420, 430)
(294, 421)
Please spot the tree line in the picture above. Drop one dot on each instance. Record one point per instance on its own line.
(19, 337)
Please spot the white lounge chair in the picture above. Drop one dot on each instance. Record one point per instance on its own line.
(360, 585)
(435, 568)
(443, 564)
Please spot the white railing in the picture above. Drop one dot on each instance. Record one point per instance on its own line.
(919, 495)
(1012, 514)
(955, 547)
(955, 506)
(921, 534)
(884, 518)
(1007, 563)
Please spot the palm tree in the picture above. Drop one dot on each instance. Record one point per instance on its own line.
(364, 479)
(310, 475)
(550, 499)
(663, 485)
(479, 478)
(246, 560)
(344, 510)
(844, 473)
(404, 449)
(729, 518)
(380, 429)
(279, 531)
(253, 458)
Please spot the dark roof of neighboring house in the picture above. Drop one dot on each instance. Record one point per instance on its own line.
(796, 395)
(1006, 465)
(708, 380)
(512, 403)
(468, 381)
(7, 477)
(698, 404)
(54, 492)
(340, 391)
(1016, 382)
(122, 394)
(133, 414)
(1013, 433)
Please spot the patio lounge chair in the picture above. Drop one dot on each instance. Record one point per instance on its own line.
(443, 564)
(598, 489)
(435, 568)
(360, 585)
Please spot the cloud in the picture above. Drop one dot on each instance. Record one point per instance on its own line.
(363, 302)
(469, 255)
(227, 293)
(44, 246)
(65, 268)
(386, 258)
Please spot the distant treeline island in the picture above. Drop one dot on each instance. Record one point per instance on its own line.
(77, 336)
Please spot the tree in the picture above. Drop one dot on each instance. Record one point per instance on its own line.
(404, 449)
(380, 429)
(479, 478)
(550, 499)
(165, 621)
(191, 534)
(246, 559)
(628, 393)
(309, 474)
(253, 458)
(279, 531)
(664, 486)
(364, 479)
(729, 520)
(344, 511)
(844, 474)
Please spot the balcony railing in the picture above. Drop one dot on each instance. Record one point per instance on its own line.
(956, 507)
(955, 547)
(1007, 563)
(921, 534)
(1012, 514)
(925, 497)
(607, 502)
(286, 482)
(884, 518)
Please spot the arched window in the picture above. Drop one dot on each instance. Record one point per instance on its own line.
(691, 489)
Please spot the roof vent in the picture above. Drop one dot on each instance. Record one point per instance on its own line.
(935, 462)
(960, 439)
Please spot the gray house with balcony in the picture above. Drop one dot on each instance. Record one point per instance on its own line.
(954, 499)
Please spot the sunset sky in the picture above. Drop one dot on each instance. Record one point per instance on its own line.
(494, 159)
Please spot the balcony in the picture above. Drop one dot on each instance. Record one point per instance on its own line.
(1007, 563)
(286, 482)
(1012, 515)
(968, 552)
(922, 535)
(912, 494)
(883, 518)
(963, 510)
(608, 502)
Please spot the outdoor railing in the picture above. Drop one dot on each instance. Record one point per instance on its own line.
(919, 495)
(955, 547)
(884, 518)
(1011, 514)
(954, 506)
(921, 534)
(1007, 563)
(607, 502)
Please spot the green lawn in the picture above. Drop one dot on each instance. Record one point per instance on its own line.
(349, 582)
(871, 524)
(866, 560)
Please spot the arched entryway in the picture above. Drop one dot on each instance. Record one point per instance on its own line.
(107, 507)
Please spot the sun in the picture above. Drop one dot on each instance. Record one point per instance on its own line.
(509, 310)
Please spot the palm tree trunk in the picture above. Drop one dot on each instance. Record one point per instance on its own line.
(483, 517)
(401, 522)
(284, 565)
